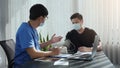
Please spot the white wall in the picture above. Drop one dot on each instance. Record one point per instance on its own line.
(59, 13)
(58, 19)
(18, 13)
(103, 16)
(3, 18)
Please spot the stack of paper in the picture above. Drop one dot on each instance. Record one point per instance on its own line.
(61, 61)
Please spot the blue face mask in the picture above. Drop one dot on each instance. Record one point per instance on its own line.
(77, 26)
(41, 24)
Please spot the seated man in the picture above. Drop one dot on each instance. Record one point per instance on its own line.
(81, 37)
(27, 46)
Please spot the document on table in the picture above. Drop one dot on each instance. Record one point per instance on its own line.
(61, 61)
(82, 53)
(62, 56)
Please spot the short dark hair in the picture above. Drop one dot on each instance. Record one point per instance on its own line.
(38, 10)
(76, 15)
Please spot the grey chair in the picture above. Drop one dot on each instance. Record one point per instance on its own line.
(9, 48)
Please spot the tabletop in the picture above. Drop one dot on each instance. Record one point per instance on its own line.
(99, 61)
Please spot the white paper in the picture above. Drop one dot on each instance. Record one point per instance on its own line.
(63, 55)
(61, 62)
(82, 53)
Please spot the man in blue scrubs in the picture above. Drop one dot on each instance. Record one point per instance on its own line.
(27, 45)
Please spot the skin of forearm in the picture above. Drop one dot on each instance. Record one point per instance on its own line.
(38, 54)
(88, 49)
(85, 49)
(42, 54)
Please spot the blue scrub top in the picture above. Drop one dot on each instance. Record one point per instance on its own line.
(26, 37)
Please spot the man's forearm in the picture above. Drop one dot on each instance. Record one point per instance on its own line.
(88, 49)
(85, 49)
(38, 54)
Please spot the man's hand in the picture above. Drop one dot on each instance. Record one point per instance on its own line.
(55, 51)
(55, 39)
(99, 48)
(85, 49)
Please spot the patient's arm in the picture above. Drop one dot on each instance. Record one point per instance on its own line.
(85, 49)
(89, 49)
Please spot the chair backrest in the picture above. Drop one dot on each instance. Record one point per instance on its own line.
(9, 48)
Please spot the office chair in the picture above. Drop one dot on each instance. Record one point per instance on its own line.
(9, 48)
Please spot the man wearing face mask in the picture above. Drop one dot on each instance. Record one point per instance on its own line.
(81, 37)
(27, 45)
